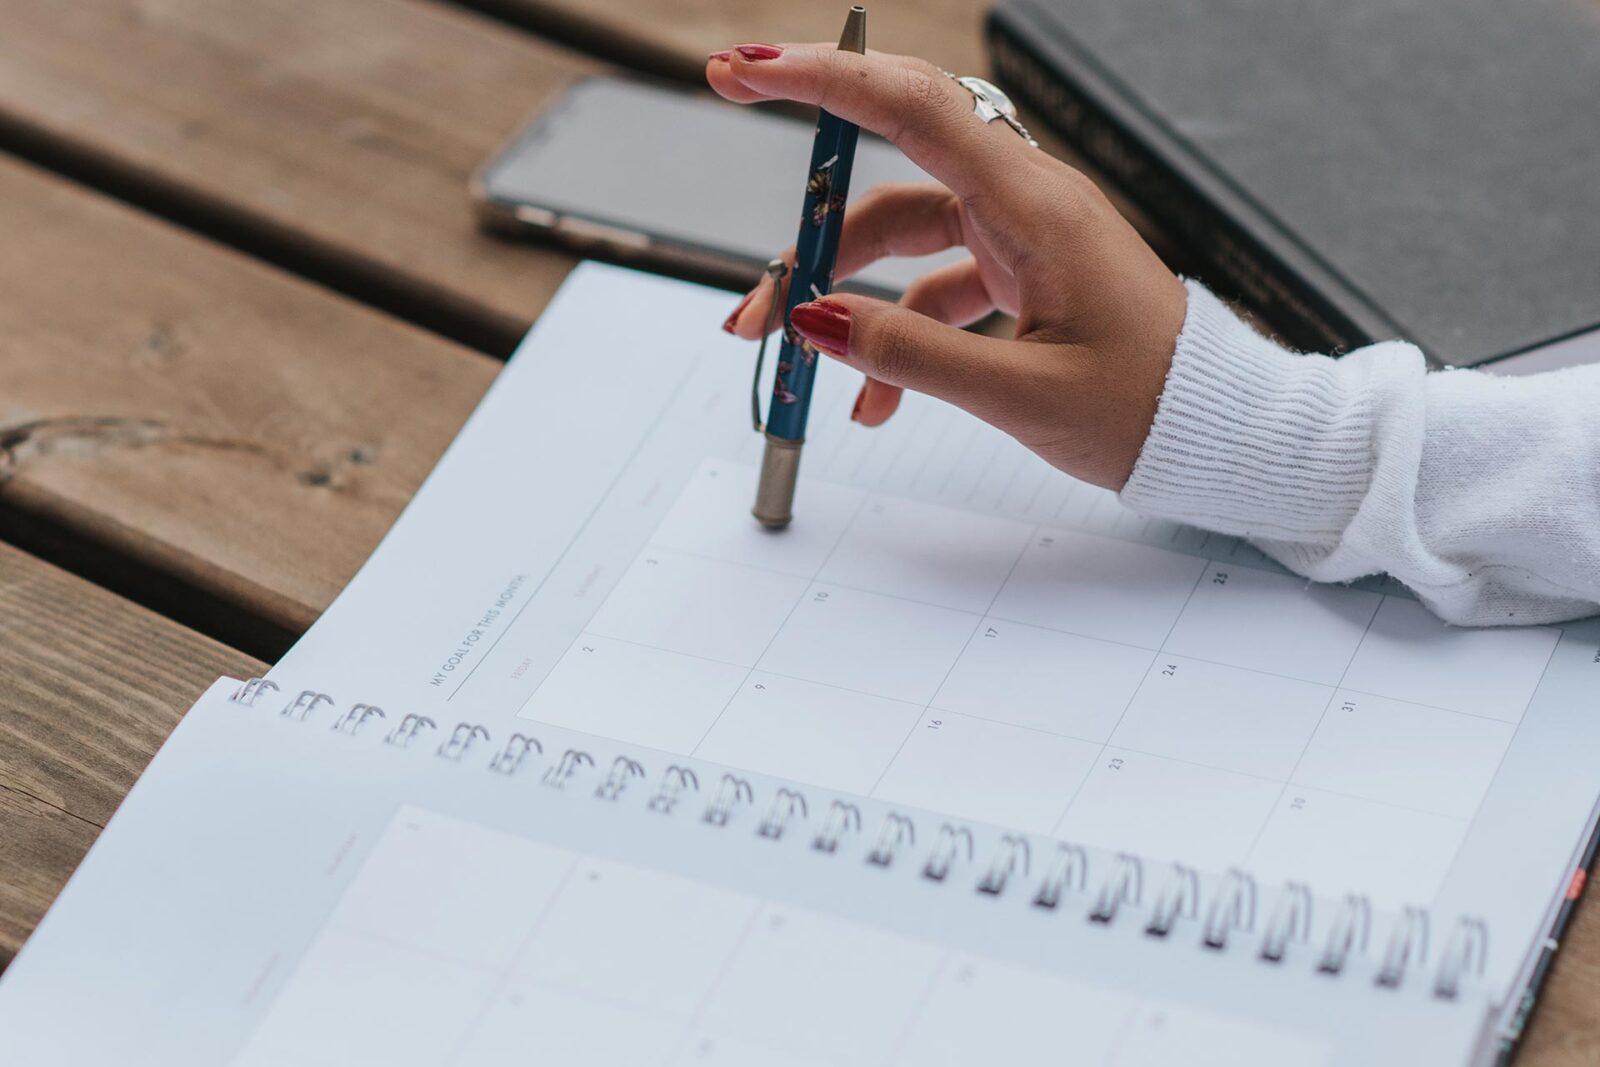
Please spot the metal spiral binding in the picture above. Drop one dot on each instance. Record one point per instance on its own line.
(1290, 920)
(1125, 885)
(304, 704)
(565, 767)
(1005, 864)
(784, 807)
(1466, 953)
(355, 717)
(622, 770)
(841, 818)
(673, 784)
(408, 728)
(1179, 898)
(1233, 908)
(1350, 930)
(510, 758)
(1410, 934)
(946, 850)
(1068, 869)
(455, 746)
(730, 792)
(896, 830)
(246, 694)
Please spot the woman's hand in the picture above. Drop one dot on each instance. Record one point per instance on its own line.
(1097, 313)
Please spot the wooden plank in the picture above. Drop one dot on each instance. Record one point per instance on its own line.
(673, 36)
(337, 138)
(200, 416)
(90, 685)
(1565, 1031)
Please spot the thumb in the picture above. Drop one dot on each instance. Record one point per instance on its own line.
(990, 377)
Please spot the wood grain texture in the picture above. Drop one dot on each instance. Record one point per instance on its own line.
(672, 37)
(90, 685)
(245, 433)
(1565, 1031)
(340, 136)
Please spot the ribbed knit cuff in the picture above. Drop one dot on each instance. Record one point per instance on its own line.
(1253, 440)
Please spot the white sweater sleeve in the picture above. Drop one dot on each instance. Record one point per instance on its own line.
(1481, 493)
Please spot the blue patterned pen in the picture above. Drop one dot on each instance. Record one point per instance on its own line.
(821, 218)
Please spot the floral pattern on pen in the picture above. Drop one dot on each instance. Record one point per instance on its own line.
(808, 351)
(820, 186)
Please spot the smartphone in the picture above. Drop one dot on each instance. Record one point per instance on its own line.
(675, 181)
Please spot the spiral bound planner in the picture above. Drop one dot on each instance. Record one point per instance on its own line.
(302, 881)
(970, 764)
(1109, 890)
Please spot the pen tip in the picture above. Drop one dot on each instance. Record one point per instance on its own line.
(854, 38)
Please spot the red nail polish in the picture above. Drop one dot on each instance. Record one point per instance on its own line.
(758, 52)
(722, 56)
(733, 320)
(824, 324)
(855, 412)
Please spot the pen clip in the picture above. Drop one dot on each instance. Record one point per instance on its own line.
(776, 270)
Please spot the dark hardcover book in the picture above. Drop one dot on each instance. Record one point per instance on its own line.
(1353, 171)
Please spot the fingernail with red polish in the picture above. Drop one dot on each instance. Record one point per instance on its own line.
(855, 412)
(824, 324)
(722, 56)
(758, 52)
(733, 320)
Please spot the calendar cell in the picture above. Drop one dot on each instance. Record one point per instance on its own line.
(1159, 1035)
(770, 992)
(873, 644)
(1412, 655)
(711, 518)
(1405, 754)
(458, 861)
(357, 999)
(809, 732)
(1098, 587)
(645, 696)
(987, 771)
(1162, 809)
(1220, 716)
(717, 1050)
(982, 1012)
(1273, 623)
(666, 938)
(1044, 679)
(537, 1023)
(938, 555)
(699, 607)
(1402, 858)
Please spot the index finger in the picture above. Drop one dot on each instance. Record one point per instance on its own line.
(906, 100)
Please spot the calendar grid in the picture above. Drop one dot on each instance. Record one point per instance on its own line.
(589, 960)
(1067, 807)
(975, 627)
(1087, 685)
(1301, 757)
(779, 630)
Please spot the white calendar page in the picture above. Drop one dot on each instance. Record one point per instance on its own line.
(952, 625)
(277, 894)
(587, 961)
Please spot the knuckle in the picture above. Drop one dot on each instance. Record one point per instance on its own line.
(926, 99)
(1062, 217)
(893, 354)
(1080, 187)
(835, 79)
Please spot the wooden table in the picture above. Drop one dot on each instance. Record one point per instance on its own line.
(243, 308)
